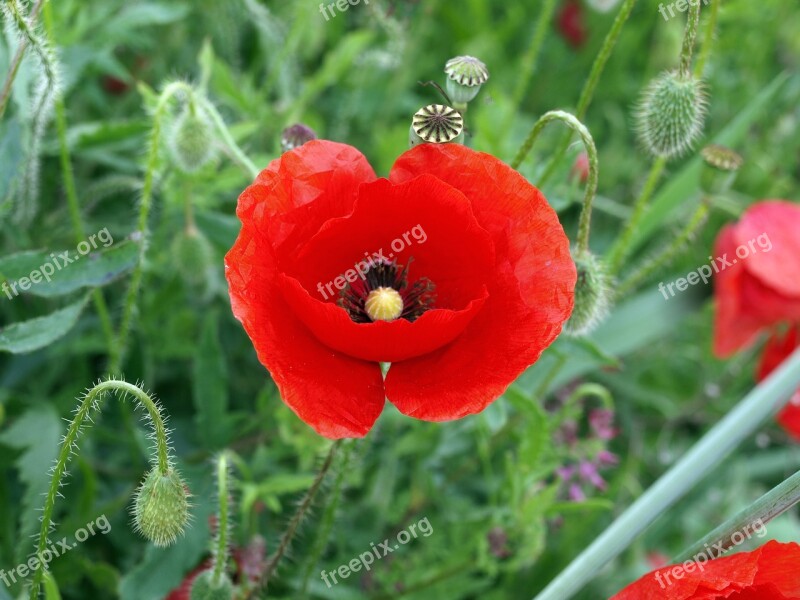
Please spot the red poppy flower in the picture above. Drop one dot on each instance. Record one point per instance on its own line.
(570, 23)
(328, 281)
(758, 283)
(779, 348)
(767, 573)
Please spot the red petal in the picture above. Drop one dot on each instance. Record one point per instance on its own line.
(778, 349)
(530, 296)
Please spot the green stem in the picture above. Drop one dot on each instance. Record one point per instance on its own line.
(5, 94)
(689, 37)
(708, 39)
(741, 422)
(772, 504)
(664, 257)
(528, 64)
(619, 251)
(238, 155)
(91, 402)
(221, 554)
(587, 94)
(591, 185)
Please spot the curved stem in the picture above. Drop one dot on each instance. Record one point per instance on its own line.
(221, 550)
(238, 155)
(69, 446)
(666, 255)
(587, 94)
(619, 251)
(741, 422)
(689, 36)
(708, 39)
(591, 183)
(302, 509)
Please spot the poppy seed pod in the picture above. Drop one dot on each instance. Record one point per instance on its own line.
(465, 76)
(161, 507)
(191, 140)
(205, 588)
(720, 165)
(436, 124)
(671, 115)
(592, 295)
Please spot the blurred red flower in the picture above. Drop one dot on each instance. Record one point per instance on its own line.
(767, 573)
(761, 285)
(490, 286)
(777, 349)
(570, 23)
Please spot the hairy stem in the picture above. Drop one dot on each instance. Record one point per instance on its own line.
(689, 37)
(221, 550)
(5, 93)
(238, 155)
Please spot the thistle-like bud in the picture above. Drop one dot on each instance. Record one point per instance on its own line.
(295, 136)
(205, 588)
(671, 114)
(465, 76)
(161, 507)
(192, 255)
(720, 165)
(436, 124)
(592, 295)
(191, 140)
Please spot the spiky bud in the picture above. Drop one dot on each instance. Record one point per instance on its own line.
(191, 140)
(192, 255)
(205, 588)
(592, 295)
(295, 136)
(720, 165)
(436, 124)
(465, 76)
(671, 114)
(161, 507)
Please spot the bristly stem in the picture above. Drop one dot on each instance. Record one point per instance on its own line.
(587, 94)
(763, 402)
(5, 94)
(221, 549)
(237, 154)
(708, 39)
(591, 184)
(667, 254)
(69, 446)
(302, 509)
(689, 37)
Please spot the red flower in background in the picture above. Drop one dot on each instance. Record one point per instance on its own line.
(767, 573)
(779, 348)
(570, 23)
(489, 288)
(763, 289)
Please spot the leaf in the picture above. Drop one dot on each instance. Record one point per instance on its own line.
(210, 391)
(27, 336)
(142, 14)
(11, 155)
(50, 587)
(87, 271)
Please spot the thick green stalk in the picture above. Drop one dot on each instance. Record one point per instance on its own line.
(741, 422)
(91, 402)
(223, 497)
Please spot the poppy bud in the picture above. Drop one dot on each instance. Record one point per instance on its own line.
(295, 136)
(437, 124)
(720, 165)
(205, 588)
(465, 76)
(671, 114)
(192, 255)
(191, 141)
(592, 295)
(161, 507)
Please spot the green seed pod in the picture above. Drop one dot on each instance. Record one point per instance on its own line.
(295, 136)
(191, 140)
(720, 165)
(671, 115)
(192, 255)
(161, 507)
(465, 76)
(204, 588)
(436, 124)
(592, 296)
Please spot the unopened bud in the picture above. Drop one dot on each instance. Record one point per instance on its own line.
(191, 141)
(592, 295)
(161, 507)
(205, 588)
(295, 136)
(192, 255)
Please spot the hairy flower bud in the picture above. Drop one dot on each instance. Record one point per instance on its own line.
(592, 295)
(191, 140)
(436, 124)
(161, 507)
(295, 136)
(205, 588)
(192, 255)
(465, 76)
(671, 114)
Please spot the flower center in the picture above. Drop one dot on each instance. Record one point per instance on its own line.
(383, 294)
